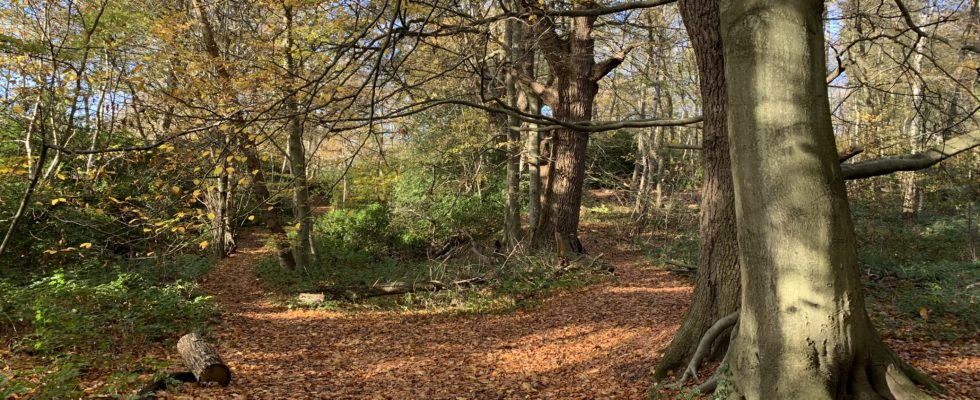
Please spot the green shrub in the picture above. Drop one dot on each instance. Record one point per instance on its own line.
(364, 229)
(426, 212)
(64, 323)
(120, 309)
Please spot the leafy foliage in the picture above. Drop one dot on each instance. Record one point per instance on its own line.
(71, 318)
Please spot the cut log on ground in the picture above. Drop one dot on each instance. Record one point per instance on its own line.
(365, 291)
(203, 360)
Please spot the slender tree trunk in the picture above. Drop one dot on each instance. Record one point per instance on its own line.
(533, 150)
(716, 285)
(35, 173)
(262, 196)
(910, 185)
(512, 209)
(803, 330)
(303, 245)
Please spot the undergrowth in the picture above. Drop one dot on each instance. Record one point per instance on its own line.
(919, 276)
(57, 328)
(365, 247)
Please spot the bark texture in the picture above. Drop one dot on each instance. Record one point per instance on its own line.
(803, 329)
(571, 60)
(716, 285)
(203, 360)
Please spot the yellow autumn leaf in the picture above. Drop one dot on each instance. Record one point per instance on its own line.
(251, 218)
(204, 244)
(85, 245)
(55, 202)
(211, 216)
(18, 109)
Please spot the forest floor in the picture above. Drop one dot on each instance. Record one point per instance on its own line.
(598, 342)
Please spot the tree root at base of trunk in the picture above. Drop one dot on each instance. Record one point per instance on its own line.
(707, 341)
(876, 374)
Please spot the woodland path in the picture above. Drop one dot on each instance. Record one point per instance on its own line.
(594, 343)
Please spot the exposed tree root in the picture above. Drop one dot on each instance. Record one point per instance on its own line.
(706, 343)
(709, 341)
(876, 374)
(890, 377)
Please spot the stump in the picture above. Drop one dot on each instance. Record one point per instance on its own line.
(203, 360)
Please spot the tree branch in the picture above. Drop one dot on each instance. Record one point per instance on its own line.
(603, 68)
(547, 94)
(907, 16)
(913, 162)
(849, 153)
(595, 12)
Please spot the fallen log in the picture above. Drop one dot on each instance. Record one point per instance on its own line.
(396, 288)
(203, 360)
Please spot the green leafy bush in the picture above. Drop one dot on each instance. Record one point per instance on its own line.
(62, 324)
(120, 309)
(425, 212)
(364, 229)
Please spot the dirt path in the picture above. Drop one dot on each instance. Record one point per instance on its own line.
(599, 342)
(595, 343)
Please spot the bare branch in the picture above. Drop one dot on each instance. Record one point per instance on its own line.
(603, 68)
(912, 162)
(147, 147)
(907, 16)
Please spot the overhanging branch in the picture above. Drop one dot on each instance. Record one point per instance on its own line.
(912, 162)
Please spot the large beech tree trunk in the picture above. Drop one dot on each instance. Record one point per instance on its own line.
(803, 330)
(716, 286)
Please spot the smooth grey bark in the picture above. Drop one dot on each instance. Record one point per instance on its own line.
(803, 329)
(533, 150)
